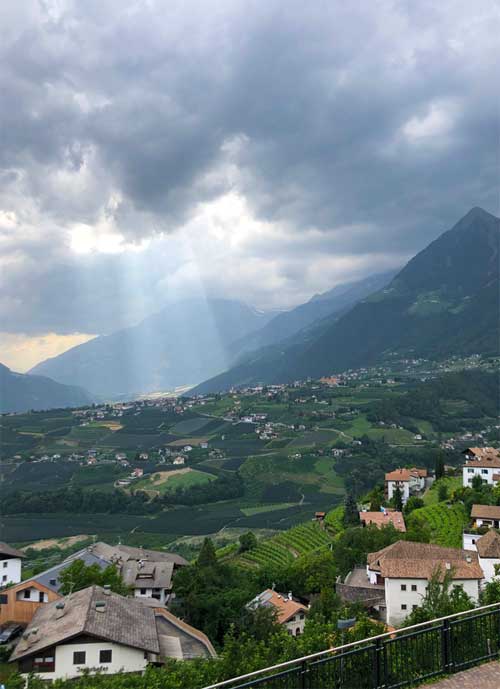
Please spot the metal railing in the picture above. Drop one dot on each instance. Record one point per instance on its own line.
(402, 658)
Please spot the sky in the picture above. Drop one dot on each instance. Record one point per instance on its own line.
(262, 151)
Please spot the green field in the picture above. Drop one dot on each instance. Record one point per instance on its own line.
(260, 509)
(168, 484)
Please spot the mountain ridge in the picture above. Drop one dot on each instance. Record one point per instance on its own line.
(443, 302)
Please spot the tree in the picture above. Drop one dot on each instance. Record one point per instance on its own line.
(442, 598)
(397, 499)
(248, 541)
(413, 503)
(439, 466)
(351, 514)
(207, 556)
(79, 576)
(442, 492)
(477, 482)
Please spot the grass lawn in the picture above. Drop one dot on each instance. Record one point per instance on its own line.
(167, 481)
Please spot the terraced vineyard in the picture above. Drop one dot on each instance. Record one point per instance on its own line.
(444, 522)
(286, 546)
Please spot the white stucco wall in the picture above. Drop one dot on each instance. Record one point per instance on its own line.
(149, 594)
(10, 571)
(488, 567)
(404, 487)
(395, 598)
(124, 659)
(34, 595)
(469, 541)
(485, 473)
(295, 623)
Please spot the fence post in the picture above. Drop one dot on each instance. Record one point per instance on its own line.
(303, 674)
(446, 646)
(378, 669)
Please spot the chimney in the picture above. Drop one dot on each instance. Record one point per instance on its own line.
(100, 606)
(107, 589)
(59, 610)
(468, 559)
(289, 595)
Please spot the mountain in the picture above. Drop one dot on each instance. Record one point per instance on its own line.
(331, 303)
(22, 392)
(184, 343)
(444, 302)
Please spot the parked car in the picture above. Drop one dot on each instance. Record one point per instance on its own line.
(9, 632)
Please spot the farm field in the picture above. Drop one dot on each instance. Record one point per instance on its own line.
(286, 546)
(452, 483)
(444, 522)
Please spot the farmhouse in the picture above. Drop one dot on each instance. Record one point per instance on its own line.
(483, 462)
(404, 568)
(383, 518)
(10, 564)
(409, 482)
(289, 611)
(488, 549)
(95, 630)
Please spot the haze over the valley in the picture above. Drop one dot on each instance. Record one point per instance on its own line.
(258, 152)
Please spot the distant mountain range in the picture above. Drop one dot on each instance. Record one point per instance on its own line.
(22, 392)
(330, 304)
(444, 302)
(184, 343)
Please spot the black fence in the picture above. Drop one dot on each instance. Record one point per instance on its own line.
(390, 661)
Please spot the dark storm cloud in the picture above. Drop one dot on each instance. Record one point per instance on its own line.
(373, 125)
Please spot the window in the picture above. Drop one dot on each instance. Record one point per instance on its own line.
(471, 471)
(301, 616)
(413, 587)
(473, 541)
(414, 607)
(79, 657)
(143, 592)
(403, 606)
(26, 593)
(105, 656)
(403, 587)
(4, 564)
(53, 582)
(41, 597)
(4, 577)
(484, 471)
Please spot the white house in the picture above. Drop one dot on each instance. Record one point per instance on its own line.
(409, 482)
(10, 564)
(483, 462)
(99, 631)
(405, 568)
(488, 549)
(485, 515)
(290, 612)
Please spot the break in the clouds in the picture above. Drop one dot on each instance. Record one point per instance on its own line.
(257, 150)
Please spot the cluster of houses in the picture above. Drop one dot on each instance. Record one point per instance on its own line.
(94, 628)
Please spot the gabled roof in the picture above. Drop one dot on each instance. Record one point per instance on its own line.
(381, 519)
(409, 560)
(150, 575)
(488, 546)
(285, 606)
(405, 474)
(485, 512)
(485, 461)
(121, 620)
(189, 642)
(124, 553)
(482, 452)
(9, 551)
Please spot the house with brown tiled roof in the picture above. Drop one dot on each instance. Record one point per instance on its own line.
(483, 462)
(96, 630)
(487, 547)
(409, 482)
(383, 518)
(290, 612)
(405, 568)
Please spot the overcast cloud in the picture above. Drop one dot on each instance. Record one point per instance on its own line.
(256, 150)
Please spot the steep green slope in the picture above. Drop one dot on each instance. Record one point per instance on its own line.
(444, 302)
